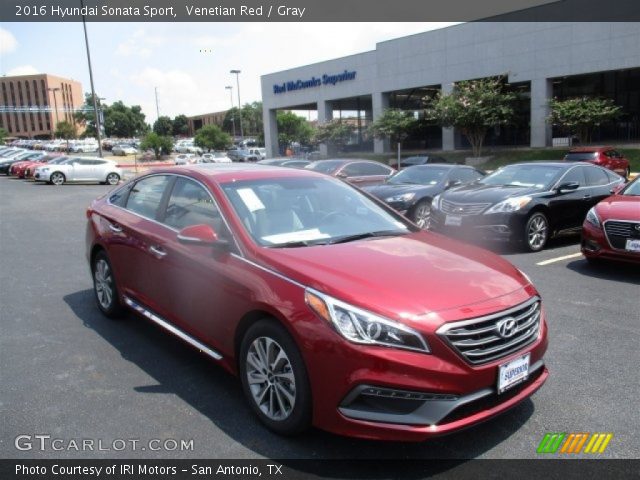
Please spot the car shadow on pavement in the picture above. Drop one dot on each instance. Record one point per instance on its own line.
(616, 271)
(206, 387)
(506, 248)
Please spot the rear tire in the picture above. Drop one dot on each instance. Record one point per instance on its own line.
(274, 378)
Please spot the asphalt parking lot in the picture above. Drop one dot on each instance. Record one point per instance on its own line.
(70, 373)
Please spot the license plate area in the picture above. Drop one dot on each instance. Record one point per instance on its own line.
(633, 245)
(512, 373)
(453, 220)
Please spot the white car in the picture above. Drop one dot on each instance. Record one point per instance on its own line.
(123, 150)
(215, 157)
(84, 147)
(79, 169)
(187, 159)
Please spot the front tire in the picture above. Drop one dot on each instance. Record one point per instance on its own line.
(274, 378)
(536, 232)
(421, 214)
(104, 286)
(57, 178)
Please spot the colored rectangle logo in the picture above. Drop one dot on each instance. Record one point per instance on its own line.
(574, 443)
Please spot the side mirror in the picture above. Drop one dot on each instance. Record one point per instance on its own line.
(201, 234)
(341, 175)
(616, 189)
(453, 183)
(568, 187)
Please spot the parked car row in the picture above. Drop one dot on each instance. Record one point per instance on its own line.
(211, 157)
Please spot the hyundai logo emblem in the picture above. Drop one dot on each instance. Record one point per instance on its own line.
(507, 327)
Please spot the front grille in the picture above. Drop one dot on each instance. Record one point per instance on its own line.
(479, 341)
(463, 209)
(618, 231)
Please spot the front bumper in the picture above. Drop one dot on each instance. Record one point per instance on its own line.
(493, 226)
(594, 245)
(41, 176)
(445, 393)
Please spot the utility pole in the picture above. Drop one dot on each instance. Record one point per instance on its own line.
(237, 74)
(157, 107)
(55, 104)
(93, 91)
(233, 117)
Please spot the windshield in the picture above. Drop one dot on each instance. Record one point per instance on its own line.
(419, 175)
(538, 176)
(580, 156)
(282, 212)
(633, 189)
(325, 167)
(59, 160)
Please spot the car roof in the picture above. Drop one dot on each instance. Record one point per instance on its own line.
(228, 172)
(590, 149)
(551, 163)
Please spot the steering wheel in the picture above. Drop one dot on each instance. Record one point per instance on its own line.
(329, 217)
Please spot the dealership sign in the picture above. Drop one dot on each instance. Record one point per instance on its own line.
(314, 81)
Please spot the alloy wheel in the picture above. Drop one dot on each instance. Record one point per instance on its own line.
(270, 378)
(113, 178)
(57, 178)
(422, 215)
(103, 284)
(537, 232)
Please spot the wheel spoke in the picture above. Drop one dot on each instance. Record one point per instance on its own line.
(283, 409)
(288, 395)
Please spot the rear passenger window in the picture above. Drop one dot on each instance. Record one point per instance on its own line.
(190, 204)
(357, 169)
(574, 175)
(596, 176)
(146, 195)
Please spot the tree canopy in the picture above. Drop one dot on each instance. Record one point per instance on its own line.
(293, 128)
(180, 125)
(579, 116)
(336, 132)
(119, 120)
(211, 137)
(158, 143)
(473, 107)
(163, 126)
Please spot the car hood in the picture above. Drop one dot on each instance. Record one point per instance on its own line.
(619, 207)
(491, 194)
(401, 277)
(387, 190)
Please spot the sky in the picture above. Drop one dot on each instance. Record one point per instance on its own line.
(189, 63)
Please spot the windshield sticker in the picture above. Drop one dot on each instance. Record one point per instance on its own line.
(250, 199)
(300, 236)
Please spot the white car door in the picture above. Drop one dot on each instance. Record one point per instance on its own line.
(82, 169)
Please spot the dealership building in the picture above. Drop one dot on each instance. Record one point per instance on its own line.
(540, 60)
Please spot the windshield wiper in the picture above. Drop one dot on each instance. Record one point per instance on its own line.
(360, 236)
(297, 243)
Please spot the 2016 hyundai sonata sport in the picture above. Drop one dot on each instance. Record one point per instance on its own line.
(333, 310)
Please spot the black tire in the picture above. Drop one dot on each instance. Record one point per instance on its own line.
(298, 418)
(112, 179)
(57, 178)
(536, 232)
(102, 280)
(418, 216)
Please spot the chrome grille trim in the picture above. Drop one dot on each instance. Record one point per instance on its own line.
(477, 340)
(618, 231)
(463, 209)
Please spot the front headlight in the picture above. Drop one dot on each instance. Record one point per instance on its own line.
(360, 326)
(592, 218)
(43, 170)
(405, 197)
(509, 205)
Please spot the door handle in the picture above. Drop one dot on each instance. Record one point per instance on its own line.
(587, 196)
(157, 251)
(115, 228)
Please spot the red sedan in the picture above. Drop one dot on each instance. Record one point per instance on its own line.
(607, 157)
(612, 228)
(333, 309)
(360, 173)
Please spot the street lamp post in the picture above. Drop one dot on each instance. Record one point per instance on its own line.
(233, 117)
(237, 74)
(55, 105)
(93, 91)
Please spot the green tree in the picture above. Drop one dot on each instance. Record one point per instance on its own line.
(66, 131)
(336, 132)
(293, 128)
(252, 124)
(211, 137)
(123, 121)
(158, 143)
(86, 115)
(580, 116)
(473, 107)
(180, 125)
(3, 134)
(163, 126)
(395, 124)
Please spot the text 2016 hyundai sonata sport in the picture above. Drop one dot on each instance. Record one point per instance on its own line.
(332, 309)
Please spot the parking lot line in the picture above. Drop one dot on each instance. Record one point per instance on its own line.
(559, 259)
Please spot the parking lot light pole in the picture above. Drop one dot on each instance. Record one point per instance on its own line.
(93, 91)
(233, 117)
(237, 73)
(55, 105)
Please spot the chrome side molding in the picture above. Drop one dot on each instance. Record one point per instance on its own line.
(172, 329)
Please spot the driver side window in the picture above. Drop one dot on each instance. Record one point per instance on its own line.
(574, 175)
(190, 204)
